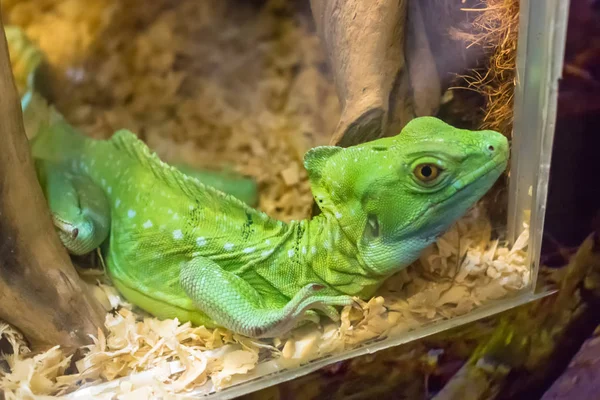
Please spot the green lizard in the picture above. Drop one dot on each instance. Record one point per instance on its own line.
(178, 248)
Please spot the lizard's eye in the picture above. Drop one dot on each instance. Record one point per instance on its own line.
(426, 172)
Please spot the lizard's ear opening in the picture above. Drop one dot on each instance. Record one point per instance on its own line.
(372, 230)
(315, 160)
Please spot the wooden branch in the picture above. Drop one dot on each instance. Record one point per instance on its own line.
(424, 77)
(383, 67)
(364, 42)
(40, 291)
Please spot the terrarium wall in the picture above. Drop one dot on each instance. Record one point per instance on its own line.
(246, 85)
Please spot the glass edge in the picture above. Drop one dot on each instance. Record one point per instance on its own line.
(520, 68)
(275, 378)
(540, 118)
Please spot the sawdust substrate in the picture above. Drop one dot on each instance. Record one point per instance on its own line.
(218, 84)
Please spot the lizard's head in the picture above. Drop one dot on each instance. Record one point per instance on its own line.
(395, 195)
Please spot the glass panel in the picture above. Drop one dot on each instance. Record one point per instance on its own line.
(432, 295)
(542, 34)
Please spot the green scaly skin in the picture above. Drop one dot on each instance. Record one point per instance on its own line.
(178, 248)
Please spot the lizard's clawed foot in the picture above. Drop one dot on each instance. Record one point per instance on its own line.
(238, 306)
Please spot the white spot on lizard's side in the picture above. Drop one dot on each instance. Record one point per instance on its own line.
(313, 250)
(338, 215)
(177, 234)
(267, 253)
(290, 253)
(268, 241)
(175, 216)
(109, 190)
(131, 213)
(303, 250)
(191, 207)
(248, 250)
(147, 224)
(228, 246)
(117, 203)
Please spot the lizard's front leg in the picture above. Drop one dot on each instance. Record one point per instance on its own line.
(234, 304)
(79, 208)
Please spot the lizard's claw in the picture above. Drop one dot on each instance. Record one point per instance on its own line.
(310, 316)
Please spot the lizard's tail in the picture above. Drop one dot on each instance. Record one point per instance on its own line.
(51, 137)
(55, 139)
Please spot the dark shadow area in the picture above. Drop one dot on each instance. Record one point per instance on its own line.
(574, 190)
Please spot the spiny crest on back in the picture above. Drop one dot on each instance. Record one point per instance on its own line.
(210, 197)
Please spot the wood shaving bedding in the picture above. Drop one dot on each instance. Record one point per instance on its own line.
(461, 271)
(217, 83)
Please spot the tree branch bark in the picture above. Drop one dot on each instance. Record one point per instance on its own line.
(40, 291)
(383, 67)
(364, 42)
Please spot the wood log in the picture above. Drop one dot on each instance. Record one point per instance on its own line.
(383, 67)
(364, 42)
(40, 291)
(426, 86)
